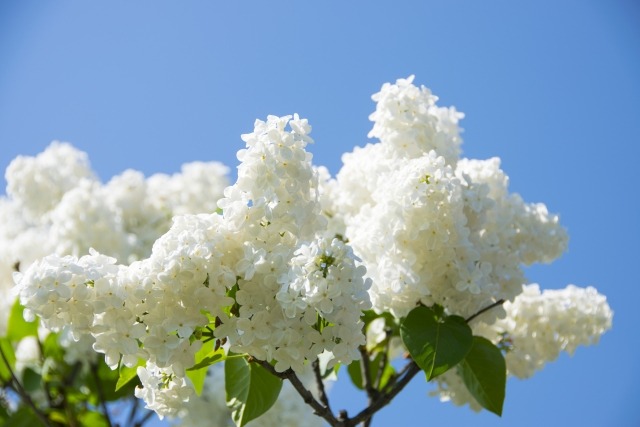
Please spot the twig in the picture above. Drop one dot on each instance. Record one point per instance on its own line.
(487, 308)
(22, 392)
(103, 402)
(409, 371)
(144, 419)
(365, 372)
(133, 411)
(322, 394)
(319, 409)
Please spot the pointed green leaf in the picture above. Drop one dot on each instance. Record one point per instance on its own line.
(127, 374)
(18, 328)
(484, 372)
(251, 389)
(204, 358)
(436, 342)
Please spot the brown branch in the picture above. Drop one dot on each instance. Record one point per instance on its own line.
(103, 403)
(322, 393)
(409, 371)
(365, 372)
(22, 392)
(319, 409)
(487, 308)
(144, 419)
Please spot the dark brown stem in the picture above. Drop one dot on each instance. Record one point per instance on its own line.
(322, 394)
(133, 411)
(487, 308)
(144, 419)
(365, 372)
(22, 392)
(383, 360)
(319, 409)
(103, 402)
(405, 376)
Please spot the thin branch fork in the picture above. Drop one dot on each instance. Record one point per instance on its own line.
(23, 393)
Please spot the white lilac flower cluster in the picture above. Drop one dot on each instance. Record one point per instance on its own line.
(56, 204)
(430, 227)
(280, 274)
(264, 273)
(433, 228)
(537, 327)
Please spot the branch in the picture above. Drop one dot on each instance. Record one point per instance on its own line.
(144, 419)
(22, 392)
(322, 394)
(319, 409)
(489, 307)
(409, 371)
(365, 372)
(133, 411)
(103, 402)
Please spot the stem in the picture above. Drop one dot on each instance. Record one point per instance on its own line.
(366, 374)
(407, 374)
(103, 402)
(487, 308)
(22, 392)
(383, 360)
(133, 411)
(322, 394)
(319, 409)
(144, 419)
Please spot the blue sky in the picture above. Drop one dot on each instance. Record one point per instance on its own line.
(553, 88)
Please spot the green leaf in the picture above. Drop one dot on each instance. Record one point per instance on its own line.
(127, 374)
(23, 417)
(251, 389)
(93, 419)
(18, 328)
(31, 380)
(9, 355)
(210, 358)
(484, 372)
(355, 372)
(204, 358)
(436, 342)
(107, 380)
(52, 348)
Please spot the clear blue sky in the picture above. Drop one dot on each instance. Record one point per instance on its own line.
(553, 88)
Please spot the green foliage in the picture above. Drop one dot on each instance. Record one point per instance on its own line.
(93, 419)
(205, 357)
(18, 328)
(436, 342)
(23, 417)
(251, 389)
(7, 357)
(127, 374)
(355, 372)
(31, 380)
(484, 372)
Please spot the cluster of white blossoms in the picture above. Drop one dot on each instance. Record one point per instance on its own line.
(537, 327)
(430, 227)
(264, 273)
(433, 228)
(56, 204)
(285, 272)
